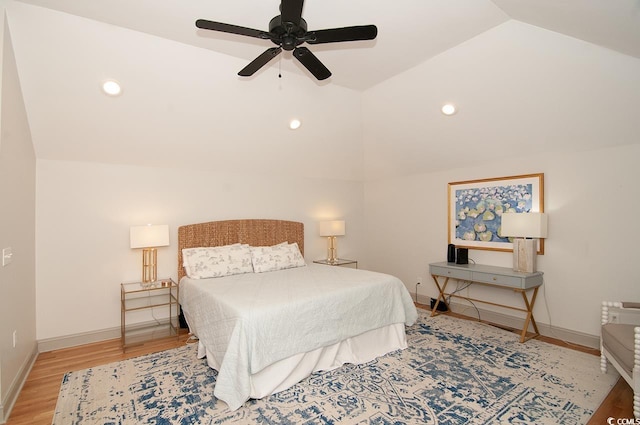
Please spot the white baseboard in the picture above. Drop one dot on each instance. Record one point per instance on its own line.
(75, 340)
(6, 404)
(567, 335)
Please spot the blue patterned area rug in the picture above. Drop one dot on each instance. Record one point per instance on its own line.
(454, 372)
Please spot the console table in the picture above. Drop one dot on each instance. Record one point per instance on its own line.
(497, 277)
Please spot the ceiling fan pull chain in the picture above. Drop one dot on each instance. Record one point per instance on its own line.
(280, 67)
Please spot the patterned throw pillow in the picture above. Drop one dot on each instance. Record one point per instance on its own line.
(277, 257)
(202, 263)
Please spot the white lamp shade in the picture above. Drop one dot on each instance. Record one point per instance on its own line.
(332, 228)
(524, 225)
(149, 236)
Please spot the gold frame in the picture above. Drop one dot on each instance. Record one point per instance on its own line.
(537, 205)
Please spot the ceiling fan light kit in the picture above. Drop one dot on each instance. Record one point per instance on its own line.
(288, 31)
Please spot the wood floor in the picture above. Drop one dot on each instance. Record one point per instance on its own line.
(37, 400)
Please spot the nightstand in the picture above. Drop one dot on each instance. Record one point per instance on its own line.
(337, 262)
(136, 297)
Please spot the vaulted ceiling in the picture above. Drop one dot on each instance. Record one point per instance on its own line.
(410, 31)
(184, 104)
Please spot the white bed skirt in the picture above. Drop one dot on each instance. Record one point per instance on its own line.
(356, 350)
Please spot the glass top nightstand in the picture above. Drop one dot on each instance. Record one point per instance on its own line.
(136, 296)
(337, 262)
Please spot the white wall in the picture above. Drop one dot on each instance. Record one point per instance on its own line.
(590, 255)
(530, 100)
(17, 230)
(84, 212)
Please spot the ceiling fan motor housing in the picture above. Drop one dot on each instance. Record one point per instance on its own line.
(287, 35)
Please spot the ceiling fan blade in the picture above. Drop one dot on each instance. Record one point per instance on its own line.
(334, 35)
(260, 61)
(312, 63)
(232, 29)
(291, 11)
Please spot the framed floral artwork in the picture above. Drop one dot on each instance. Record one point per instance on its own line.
(476, 208)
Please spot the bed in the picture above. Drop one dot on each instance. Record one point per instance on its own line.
(264, 331)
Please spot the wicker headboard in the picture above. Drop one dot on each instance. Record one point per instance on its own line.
(252, 232)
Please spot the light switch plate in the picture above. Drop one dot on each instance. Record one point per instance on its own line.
(7, 256)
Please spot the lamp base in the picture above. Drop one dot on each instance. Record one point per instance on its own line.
(524, 255)
(149, 266)
(332, 250)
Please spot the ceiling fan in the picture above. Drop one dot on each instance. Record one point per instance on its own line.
(288, 31)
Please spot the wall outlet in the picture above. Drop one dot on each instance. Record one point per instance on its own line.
(614, 318)
(15, 338)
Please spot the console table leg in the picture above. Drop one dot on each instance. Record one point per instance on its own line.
(434, 310)
(530, 319)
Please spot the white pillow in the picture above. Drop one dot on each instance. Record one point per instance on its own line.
(200, 252)
(277, 257)
(202, 263)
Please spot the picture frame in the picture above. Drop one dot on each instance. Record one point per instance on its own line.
(476, 206)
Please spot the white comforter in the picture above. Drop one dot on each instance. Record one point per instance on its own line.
(252, 320)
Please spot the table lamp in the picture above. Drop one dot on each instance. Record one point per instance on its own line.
(331, 229)
(525, 228)
(148, 238)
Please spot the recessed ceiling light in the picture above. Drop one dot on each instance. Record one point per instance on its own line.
(111, 87)
(294, 124)
(449, 109)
